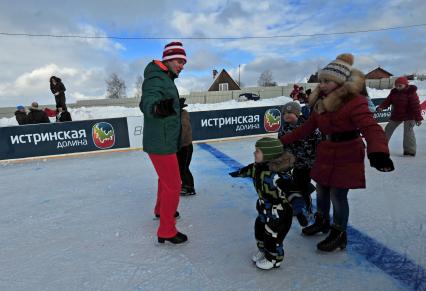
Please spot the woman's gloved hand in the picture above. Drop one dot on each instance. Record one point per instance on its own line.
(381, 161)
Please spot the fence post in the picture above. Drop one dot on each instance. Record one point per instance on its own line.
(205, 98)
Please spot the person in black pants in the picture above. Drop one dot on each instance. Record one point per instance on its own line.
(184, 155)
(305, 152)
(58, 90)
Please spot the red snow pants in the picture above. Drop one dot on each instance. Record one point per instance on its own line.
(169, 184)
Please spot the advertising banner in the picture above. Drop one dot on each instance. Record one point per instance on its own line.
(135, 127)
(382, 116)
(235, 122)
(63, 138)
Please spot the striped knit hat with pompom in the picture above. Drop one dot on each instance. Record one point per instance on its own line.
(174, 50)
(271, 148)
(338, 70)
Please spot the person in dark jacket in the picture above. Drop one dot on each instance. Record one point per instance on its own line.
(405, 109)
(273, 184)
(341, 113)
(184, 155)
(21, 115)
(302, 97)
(36, 115)
(304, 151)
(162, 135)
(58, 90)
(63, 115)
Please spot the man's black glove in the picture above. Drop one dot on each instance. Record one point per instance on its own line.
(381, 162)
(165, 108)
(234, 174)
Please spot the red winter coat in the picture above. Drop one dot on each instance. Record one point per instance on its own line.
(295, 94)
(341, 164)
(405, 104)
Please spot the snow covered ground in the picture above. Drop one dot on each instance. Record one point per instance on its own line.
(86, 223)
(85, 113)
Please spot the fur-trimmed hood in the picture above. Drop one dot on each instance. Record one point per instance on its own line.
(282, 163)
(342, 94)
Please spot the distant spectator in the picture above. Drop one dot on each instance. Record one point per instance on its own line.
(63, 115)
(306, 109)
(58, 89)
(36, 115)
(295, 93)
(405, 108)
(308, 93)
(302, 96)
(21, 115)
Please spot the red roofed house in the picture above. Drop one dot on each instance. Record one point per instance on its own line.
(378, 73)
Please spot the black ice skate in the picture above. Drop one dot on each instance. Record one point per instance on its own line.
(321, 224)
(177, 239)
(336, 239)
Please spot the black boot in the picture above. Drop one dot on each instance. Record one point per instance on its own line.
(321, 224)
(177, 239)
(336, 239)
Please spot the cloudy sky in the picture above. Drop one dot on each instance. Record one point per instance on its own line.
(85, 64)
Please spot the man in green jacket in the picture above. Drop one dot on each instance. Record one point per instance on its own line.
(161, 135)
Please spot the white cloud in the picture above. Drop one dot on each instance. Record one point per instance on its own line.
(84, 64)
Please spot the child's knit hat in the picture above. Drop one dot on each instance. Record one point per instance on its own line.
(292, 107)
(401, 81)
(338, 70)
(271, 148)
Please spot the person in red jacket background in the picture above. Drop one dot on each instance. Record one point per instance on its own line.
(295, 93)
(405, 108)
(341, 113)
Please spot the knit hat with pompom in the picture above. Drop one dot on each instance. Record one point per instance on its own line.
(338, 70)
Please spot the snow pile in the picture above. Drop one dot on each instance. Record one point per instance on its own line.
(85, 113)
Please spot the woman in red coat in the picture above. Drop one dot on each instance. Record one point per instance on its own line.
(342, 115)
(405, 108)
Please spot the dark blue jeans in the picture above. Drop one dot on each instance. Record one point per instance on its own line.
(339, 198)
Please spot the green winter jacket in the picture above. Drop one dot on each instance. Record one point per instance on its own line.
(161, 135)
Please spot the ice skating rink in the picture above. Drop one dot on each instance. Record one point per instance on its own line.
(86, 223)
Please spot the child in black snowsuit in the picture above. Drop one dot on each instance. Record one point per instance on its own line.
(272, 182)
(304, 151)
(184, 154)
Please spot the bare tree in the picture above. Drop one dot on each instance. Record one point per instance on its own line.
(116, 87)
(138, 86)
(266, 80)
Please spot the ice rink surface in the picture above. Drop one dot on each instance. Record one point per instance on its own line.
(86, 223)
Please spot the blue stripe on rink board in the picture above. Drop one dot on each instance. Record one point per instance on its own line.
(392, 263)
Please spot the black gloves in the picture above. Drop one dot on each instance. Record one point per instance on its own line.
(182, 103)
(165, 108)
(234, 174)
(381, 162)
